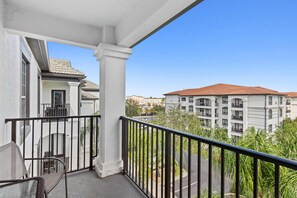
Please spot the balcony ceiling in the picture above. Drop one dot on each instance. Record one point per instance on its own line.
(88, 22)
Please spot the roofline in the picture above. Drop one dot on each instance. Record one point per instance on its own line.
(90, 89)
(280, 94)
(39, 49)
(54, 75)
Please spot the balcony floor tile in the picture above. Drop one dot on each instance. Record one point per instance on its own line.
(87, 184)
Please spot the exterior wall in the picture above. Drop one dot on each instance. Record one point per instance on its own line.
(10, 80)
(254, 111)
(171, 102)
(88, 107)
(291, 108)
(49, 85)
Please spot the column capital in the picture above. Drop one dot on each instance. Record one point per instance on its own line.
(115, 51)
(74, 84)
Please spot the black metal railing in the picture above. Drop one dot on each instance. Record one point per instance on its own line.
(204, 114)
(237, 117)
(55, 110)
(73, 139)
(237, 105)
(240, 130)
(168, 163)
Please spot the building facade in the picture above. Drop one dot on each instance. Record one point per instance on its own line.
(233, 107)
(291, 105)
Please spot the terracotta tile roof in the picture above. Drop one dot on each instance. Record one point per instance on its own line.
(290, 94)
(89, 85)
(88, 96)
(59, 66)
(225, 89)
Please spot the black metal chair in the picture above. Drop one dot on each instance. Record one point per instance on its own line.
(13, 168)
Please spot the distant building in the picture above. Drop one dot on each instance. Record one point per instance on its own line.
(233, 107)
(291, 105)
(89, 98)
(147, 103)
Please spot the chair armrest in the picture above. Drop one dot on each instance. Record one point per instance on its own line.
(48, 158)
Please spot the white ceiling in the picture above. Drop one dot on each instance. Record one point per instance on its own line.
(87, 23)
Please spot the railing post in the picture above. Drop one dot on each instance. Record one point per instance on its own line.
(125, 144)
(167, 163)
(13, 131)
(91, 143)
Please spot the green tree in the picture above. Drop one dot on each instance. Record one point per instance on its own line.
(157, 109)
(132, 107)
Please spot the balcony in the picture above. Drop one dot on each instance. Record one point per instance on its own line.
(55, 110)
(148, 170)
(288, 111)
(239, 130)
(236, 105)
(204, 114)
(240, 118)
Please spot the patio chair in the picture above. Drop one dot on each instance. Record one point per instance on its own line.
(13, 168)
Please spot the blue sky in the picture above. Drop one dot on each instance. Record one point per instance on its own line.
(244, 42)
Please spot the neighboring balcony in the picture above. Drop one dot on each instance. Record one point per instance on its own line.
(288, 111)
(55, 110)
(234, 117)
(235, 105)
(204, 114)
(238, 130)
(203, 102)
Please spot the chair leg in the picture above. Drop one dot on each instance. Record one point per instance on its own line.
(66, 189)
(45, 194)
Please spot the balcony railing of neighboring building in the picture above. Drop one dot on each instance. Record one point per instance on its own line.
(55, 110)
(288, 103)
(73, 139)
(154, 155)
(204, 114)
(237, 117)
(236, 105)
(288, 111)
(240, 130)
(205, 103)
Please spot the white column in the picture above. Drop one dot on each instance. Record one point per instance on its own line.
(73, 98)
(112, 105)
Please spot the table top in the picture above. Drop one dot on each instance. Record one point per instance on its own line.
(24, 188)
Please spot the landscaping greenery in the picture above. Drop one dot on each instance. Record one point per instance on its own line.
(282, 143)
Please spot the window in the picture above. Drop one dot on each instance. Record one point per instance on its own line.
(183, 99)
(225, 111)
(58, 97)
(270, 113)
(281, 100)
(270, 100)
(224, 122)
(225, 99)
(25, 91)
(270, 128)
(183, 108)
(280, 112)
(191, 99)
(190, 108)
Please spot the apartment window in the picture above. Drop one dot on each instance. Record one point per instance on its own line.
(270, 128)
(183, 99)
(281, 112)
(183, 108)
(225, 110)
(224, 122)
(190, 108)
(281, 100)
(225, 99)
(270, 113)
(270, 100)
(25, 91)
(191, 99)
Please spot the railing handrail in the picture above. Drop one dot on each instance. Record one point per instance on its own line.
(47, 118)
(248, 152)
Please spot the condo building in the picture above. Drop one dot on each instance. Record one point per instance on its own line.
(291, 105)
(233, 107)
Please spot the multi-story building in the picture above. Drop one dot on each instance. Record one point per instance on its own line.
(233, 107)
(291, 105)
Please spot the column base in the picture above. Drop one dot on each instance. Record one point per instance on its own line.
(108, 169)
